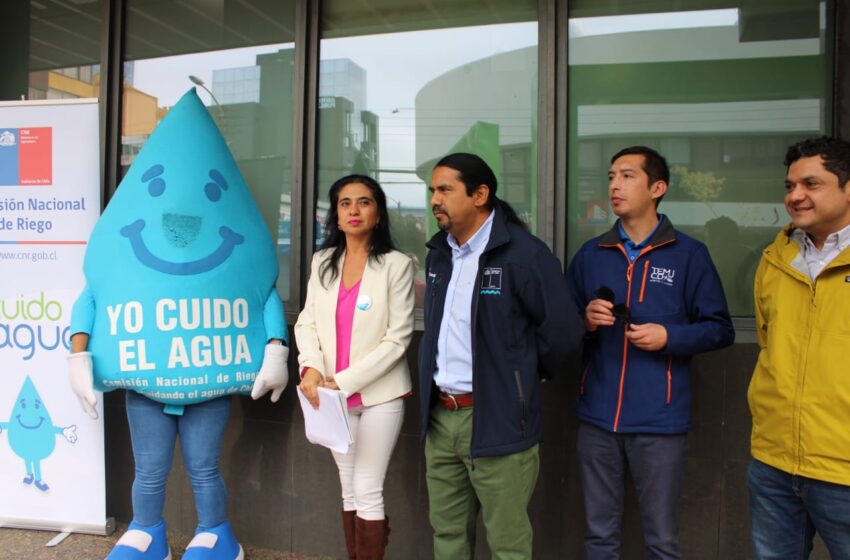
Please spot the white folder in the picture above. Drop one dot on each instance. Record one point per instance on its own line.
(328, 425)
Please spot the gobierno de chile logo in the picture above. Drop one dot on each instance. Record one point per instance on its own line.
(32, 323)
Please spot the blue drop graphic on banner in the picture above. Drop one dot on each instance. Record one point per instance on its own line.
(32, 435)
(180, 270)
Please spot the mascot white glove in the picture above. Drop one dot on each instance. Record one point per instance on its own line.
(70, 434)
(80, 373)
(273, 375)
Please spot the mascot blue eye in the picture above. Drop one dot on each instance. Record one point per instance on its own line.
(157, 185)
(213, 190)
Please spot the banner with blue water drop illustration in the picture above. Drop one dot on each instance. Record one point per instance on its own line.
(52, 472)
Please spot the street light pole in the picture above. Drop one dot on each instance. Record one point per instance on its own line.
(200, 83)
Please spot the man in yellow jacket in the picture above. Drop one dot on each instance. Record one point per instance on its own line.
(799, 479)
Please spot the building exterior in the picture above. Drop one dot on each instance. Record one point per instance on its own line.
(544, 90)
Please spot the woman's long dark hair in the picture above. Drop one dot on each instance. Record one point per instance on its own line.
(473, 172)
(382, 241)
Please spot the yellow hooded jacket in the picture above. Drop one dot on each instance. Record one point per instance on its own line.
(799, 395)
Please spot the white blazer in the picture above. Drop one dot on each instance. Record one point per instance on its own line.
(380, 333)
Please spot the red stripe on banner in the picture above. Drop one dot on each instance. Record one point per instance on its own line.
(35, 156)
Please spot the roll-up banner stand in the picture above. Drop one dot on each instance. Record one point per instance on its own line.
(52, 472)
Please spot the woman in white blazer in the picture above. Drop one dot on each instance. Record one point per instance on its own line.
(352, 335)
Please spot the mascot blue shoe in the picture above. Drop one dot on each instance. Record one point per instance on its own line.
(142, 543)
(217, 543)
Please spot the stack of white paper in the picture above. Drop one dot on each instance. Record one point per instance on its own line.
(328, 424)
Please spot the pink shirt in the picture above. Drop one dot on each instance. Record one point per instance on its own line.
(346, 302)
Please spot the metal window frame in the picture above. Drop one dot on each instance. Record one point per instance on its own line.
(111, 95)
(552, 125)
(840, 26)
(304, 135)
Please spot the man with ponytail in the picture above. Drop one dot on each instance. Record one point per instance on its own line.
(498, 318)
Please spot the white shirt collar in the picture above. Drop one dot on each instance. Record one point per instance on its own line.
(841, 237)
(478, 239)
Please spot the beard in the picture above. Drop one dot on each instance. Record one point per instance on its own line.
(446, 223)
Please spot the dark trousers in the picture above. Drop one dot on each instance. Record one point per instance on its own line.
(657, 464)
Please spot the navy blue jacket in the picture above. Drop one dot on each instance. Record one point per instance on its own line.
(672, 282)
(524, 326)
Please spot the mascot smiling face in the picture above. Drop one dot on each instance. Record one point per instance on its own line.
(180, 268)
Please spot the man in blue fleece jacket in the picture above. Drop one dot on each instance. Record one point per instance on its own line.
(651, 299)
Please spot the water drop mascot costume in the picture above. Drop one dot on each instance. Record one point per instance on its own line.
(180, 309)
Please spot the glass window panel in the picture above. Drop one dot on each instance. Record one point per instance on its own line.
(721, 90)
(241, 58)
(341, 18)
(425, 79)
(53, 50)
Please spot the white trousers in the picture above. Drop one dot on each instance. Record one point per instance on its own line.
(362, 470)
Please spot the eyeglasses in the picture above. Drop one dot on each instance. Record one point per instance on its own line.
(620, 310)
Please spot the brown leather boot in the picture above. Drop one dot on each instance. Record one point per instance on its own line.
(372, 538)
(348, 527)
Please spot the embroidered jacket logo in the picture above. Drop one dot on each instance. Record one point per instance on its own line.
(662, 275)
(491, 281)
